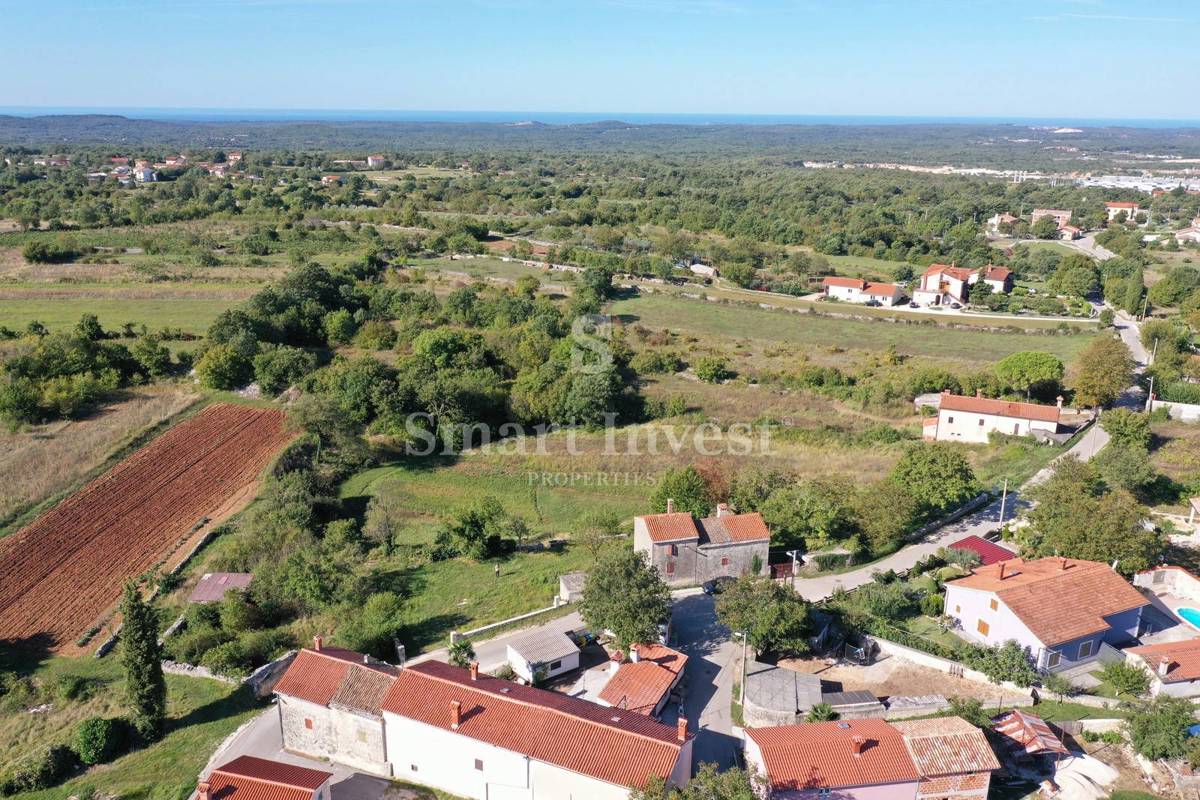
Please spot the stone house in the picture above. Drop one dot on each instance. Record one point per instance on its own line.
(689, 551)
(329, 707)
(972, 419)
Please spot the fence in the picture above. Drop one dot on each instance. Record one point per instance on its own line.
(456, 635)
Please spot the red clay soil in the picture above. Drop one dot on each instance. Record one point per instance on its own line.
(59, 573)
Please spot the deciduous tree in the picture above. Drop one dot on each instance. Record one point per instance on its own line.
(625, 595)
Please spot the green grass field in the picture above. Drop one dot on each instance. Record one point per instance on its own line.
(201, 713)
(816, 331)
(193, 315)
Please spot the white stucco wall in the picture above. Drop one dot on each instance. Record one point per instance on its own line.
(969, 426)
(847, 294)
(446, 760)
(522, 667)
(969, 606)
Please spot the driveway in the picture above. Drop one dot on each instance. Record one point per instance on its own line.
(493, 653)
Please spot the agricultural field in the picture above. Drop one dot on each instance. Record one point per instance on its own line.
(814, 333)
(41, 462)
(64, 570)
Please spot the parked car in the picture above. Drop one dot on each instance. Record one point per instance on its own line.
(718, 584)
(956, 306)
(914, 305)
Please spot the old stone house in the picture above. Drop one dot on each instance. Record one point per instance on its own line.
(689, 551)
(329, 707)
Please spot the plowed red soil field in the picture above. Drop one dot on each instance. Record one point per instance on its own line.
(63, 570)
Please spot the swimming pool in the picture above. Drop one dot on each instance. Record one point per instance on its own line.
(1190, 615)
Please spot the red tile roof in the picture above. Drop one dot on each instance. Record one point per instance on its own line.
(993, 273)
(252, 778)
(1183, 659)
(848, 283)
(882, 289)
(820, 755)
(332, 675)
(1028, 732)
(730, 528)
(1121, 204)
(1057, 604)
(611, 745)
(958, 273)
(671, 527)
(946, 746)
(639, 686)
(988, 552)
(999, 408)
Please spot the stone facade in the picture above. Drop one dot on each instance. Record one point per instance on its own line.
(343, 735)
(706, 550)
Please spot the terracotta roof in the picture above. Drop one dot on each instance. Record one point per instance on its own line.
(252, 778)
(640, 685)
(1183, 659)
(946, 746)
(988, 552)
(213, 586)
(611, 745)
(1057, 604)
(671, 527)
(335, 676)
(1121, 204)
(732, 528)
(958, 273)
(1028, 732)
(993, 273)
(848, 283)
(821, 755)
(882, 289)
(999, 408)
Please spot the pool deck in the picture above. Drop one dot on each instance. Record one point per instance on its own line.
(1164, 616)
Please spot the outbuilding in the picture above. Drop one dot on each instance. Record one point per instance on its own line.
(542, 653)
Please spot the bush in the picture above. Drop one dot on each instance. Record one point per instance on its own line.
(41, 770)
(73, 687)
(655, 362)
(224, 367)
(931, 605)
(1125, 678)
(712, 370)
(99, 739)
(376, 334)
(1007, 662)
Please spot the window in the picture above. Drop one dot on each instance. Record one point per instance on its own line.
(308, 724)
(670, 567)
(361, 734)
(994, 604)
(981, 423)
(825, 792)
(1085, 649)
(555, 665)
(413, 767)
(1016, 428)
(958, 609)
(724, 561)
(950, 420)
(674, 549)
(1053, 659)
(479, 764)
(983, 627)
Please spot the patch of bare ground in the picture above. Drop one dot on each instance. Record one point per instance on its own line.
(43, 461)
(895, 677)
(1130, 776)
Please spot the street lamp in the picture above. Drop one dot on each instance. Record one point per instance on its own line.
(794, 554)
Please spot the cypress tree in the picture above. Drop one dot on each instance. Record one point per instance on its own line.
(141, 656)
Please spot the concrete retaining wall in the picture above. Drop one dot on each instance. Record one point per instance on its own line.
(1015, 695)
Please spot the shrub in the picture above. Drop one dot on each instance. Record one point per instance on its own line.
(1006, 662)
(376, 334)
(712, 370)
(41, 770)
(98, 739)
(229, 659)
(652, 362)
(224, 367)
(821, 712)
(73, 687)
(1125, 678)
(931, 605)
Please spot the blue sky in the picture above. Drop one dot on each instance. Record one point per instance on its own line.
(1053, 58)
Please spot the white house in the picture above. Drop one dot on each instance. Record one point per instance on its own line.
(856, 290)
(971, 419)
(254, 778)
(1061, 216)
(994, 223)
(375, 161)
(704, 270)
(328, 706)
(1000, 279)
(1130, 210)
(542, 653)
(1190, 233)
(481, 737)
(943, 284)
(1069, 233)
(1174, 667)
(1064, 611)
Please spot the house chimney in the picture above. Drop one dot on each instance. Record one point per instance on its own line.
(366, 659)
(1062, 564)
(202, 790)
(615, 661)
(455, 714)
(722, 509)
(681, 729)
(1058, 401)
(670, 506)
(1001, 570)
(634, 655)
(1164, 666)
(857, 744)
(317, 642)
(474, 670)
(978, 392)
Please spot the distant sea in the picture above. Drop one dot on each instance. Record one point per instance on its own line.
(570, 117)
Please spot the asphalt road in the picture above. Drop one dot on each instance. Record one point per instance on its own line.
(708, 678)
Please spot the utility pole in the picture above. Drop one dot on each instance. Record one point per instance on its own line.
(1154, 352)
(1003, 500)
(793, 554)
(1150, 396)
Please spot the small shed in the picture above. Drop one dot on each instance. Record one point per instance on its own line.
(214, 585)
(777, 696)
(570, 586)
(1026, 735)
(989, 552)
(542, 653)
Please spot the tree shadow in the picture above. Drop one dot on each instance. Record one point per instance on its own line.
(241, 700)
(431, 632)
(24, 656)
